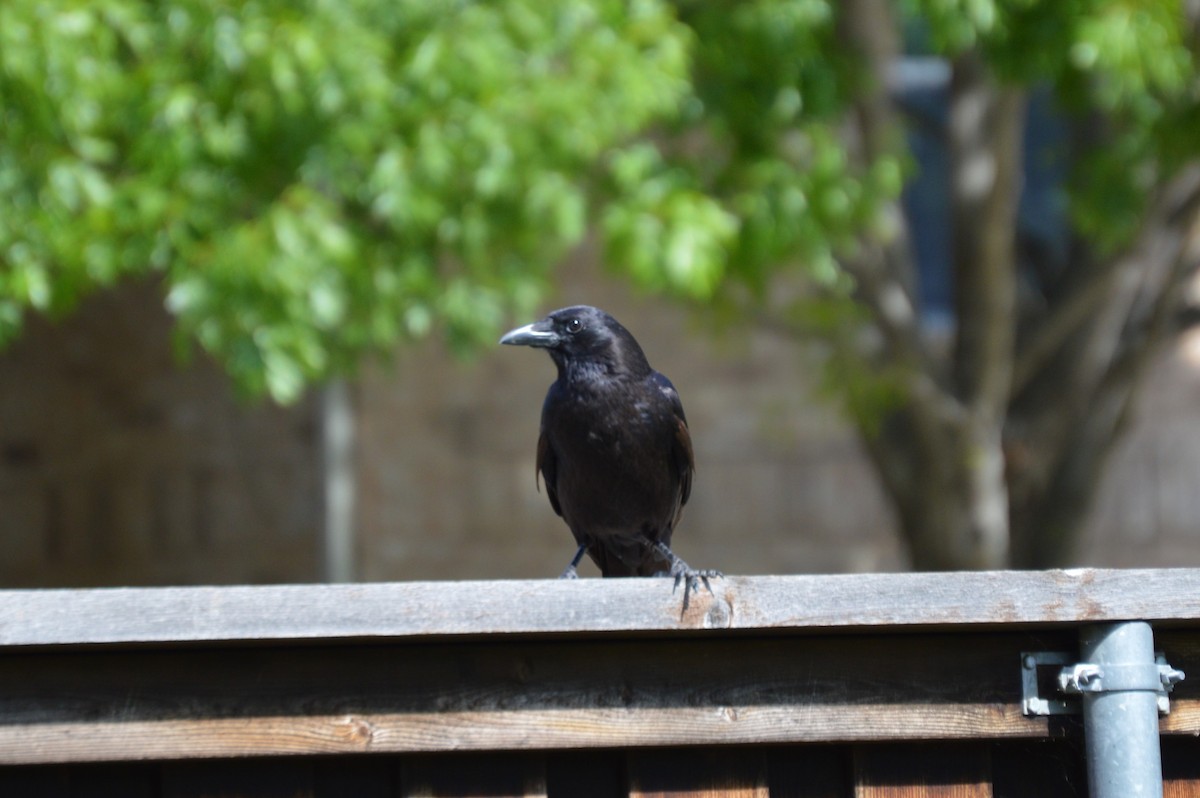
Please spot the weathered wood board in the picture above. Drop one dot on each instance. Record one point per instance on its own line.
(815, 687)
(592, 606)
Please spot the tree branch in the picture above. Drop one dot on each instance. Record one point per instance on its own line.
(1176, 250)
(884, 275)
(1145, 276)
(1067, 319)
(985, 144)
(1071, 435)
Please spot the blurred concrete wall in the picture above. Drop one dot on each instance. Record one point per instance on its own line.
(447, 458)
(117, 466)
(1147, 509)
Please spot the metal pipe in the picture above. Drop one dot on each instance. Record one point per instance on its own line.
(337, 459)
(1120, 711)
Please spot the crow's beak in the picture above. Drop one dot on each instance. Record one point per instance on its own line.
(538, 334)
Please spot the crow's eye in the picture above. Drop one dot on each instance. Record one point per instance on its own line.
(574, 326)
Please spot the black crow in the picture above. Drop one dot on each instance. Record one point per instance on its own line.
(614, 448)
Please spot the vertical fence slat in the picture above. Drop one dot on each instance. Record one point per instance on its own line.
(1040, 768)
(80, 781)
(586, 774)
(1181, 767)
(362, 777)
(820, 771)
(912, 770)
(697, 773)
(249, 778)
(502, 775)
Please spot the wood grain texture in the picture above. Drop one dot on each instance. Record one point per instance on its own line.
(1181, 767)
(1181, 646)
(962, 770)
(542, 669)
(592, 606)
(63, 705)
(1019, 769)
(698, 774)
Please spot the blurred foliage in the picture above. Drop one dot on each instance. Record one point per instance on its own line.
(317, 179)
(1125, 67)
(314, 179)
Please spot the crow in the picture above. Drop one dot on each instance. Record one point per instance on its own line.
(614, 448)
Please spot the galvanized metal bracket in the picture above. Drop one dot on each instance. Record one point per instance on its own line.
(1076, 678)
(1032, 701)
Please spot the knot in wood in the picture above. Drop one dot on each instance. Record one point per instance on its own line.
(358, 731)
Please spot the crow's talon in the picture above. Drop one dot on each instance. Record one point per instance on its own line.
(692, 581)
(691, 578)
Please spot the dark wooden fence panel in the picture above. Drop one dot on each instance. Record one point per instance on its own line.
(907, 771)
(1018, 769)
(1006, 769)
(1041, 768)
(810, 771)
(882, 686)
(1181, 766)
(697, 773)
(186, 703)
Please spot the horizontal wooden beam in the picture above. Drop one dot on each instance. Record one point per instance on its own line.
(187, 702)
(61, 705)
(415, 610)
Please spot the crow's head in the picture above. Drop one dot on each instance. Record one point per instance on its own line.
(583, 340)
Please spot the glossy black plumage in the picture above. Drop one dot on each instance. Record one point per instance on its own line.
(614, 449)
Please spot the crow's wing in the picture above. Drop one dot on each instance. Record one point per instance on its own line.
(681, 446)
(547, 466)
(547, 459)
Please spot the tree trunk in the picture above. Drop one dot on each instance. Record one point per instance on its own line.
(1065, 422)
(958, 520)
(985, 127)
(998, 448)
(941, 456)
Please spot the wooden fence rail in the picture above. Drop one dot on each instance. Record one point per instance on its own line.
(864, 685)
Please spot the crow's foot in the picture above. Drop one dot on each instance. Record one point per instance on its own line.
(570, 572)
(690, 577)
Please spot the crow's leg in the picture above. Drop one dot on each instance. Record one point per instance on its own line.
(691, 578)
(570, 572)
